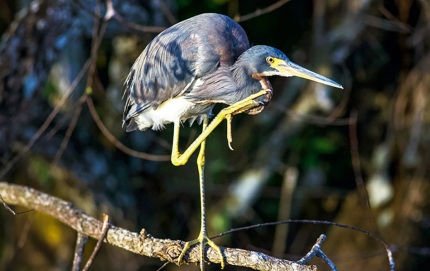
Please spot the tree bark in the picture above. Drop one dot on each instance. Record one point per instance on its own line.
(140, 243)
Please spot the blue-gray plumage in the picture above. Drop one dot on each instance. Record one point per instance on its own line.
(190, 67)
(199, 62)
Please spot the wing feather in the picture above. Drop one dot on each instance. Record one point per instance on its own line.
(178, 57)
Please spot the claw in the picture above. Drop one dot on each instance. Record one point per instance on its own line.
(229, 118)
(229, 146)
(202, 240)
(263, 103)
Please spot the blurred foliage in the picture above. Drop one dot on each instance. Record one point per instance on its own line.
(379, 50)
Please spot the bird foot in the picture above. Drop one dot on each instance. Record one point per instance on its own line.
(240, 107)
(203, 239)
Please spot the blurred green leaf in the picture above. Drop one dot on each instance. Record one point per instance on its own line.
(323, 145)
(41, 170)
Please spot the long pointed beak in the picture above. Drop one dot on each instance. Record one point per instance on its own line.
(291, 69)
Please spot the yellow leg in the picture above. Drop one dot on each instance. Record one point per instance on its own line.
(203, 237)
(179, 159)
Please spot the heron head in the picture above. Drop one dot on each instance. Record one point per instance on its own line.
(269, 61)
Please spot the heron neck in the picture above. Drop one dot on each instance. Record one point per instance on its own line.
(245, 83)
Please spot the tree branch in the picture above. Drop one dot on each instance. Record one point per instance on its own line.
(140, 243)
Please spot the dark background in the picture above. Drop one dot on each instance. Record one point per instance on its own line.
(315, 153)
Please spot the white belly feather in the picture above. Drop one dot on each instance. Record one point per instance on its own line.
(168, 112)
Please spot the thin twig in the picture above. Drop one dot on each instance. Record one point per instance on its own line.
(96, 40)
(97, 36)
(138, 27)
(320, 222)
(58, 125)
(7, 206)
(10, 209)
(94, 46)
(112, 13)
(356, 166)
(47, 122)
(81, 241)
(26, 230)
(312, 253)
(316, 251)
(167, 12)
(347, 85)
(116, 142)
(162, 267)
(89, 64)
(260, 12)
(69, 131)
(105, 229)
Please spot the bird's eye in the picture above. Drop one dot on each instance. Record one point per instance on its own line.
(270, 60)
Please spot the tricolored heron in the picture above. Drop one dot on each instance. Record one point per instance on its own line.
(190, 67)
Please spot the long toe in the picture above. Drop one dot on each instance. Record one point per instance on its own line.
(218, 250)
(202, 241)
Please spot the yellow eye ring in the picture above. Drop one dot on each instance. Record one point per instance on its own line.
(270, 60)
